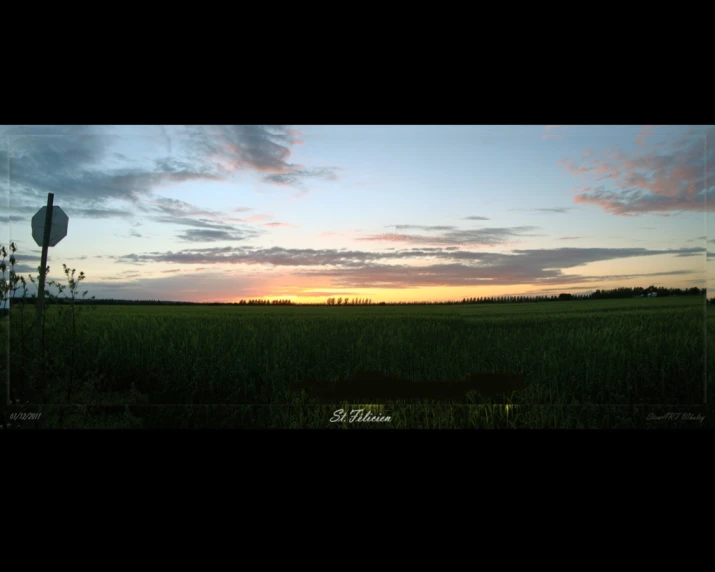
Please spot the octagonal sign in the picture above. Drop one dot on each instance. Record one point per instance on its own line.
(58, 230)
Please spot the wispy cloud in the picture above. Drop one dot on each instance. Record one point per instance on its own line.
(420, 227)
(72, 161)
(81, 164)
(663, 182)
(279, 225)
(264, 148)
(559, 210)
(98, 213)
(330, 272)
(208, 225)
(519, 263)
(257, 218)
(207, 235)
(469, 237)
(382, 276)
(297, 176)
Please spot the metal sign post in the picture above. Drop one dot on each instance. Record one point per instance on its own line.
(43, 266)
(49, 226)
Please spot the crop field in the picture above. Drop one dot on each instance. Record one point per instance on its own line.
(586, 364)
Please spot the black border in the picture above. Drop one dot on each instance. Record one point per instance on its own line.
(342, 461)
(543, 95)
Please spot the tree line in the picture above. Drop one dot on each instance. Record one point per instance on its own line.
(621, 292)
(31, 299)
(345, 301)
(658, 290)
(259, 302)
(348, 302)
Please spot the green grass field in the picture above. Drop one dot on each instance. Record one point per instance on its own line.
(587, 364)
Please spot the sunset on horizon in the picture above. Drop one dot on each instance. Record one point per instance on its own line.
(390, 213)
(346, 277)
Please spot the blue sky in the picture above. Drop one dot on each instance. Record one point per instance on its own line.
(428, 212)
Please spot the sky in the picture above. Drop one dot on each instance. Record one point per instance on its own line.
(386, 212)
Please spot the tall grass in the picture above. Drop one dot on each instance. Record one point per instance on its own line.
(601, 363)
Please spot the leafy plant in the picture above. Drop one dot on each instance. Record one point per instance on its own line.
(31, 367)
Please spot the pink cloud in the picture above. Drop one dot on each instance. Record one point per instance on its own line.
(572, 167)
(672, 179)
(296, 137)
(279, 225)
(391, 237)
(258, 218)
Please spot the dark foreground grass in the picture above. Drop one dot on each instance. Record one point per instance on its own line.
(586, 364)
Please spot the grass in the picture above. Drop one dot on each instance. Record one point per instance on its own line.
(588, 364)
